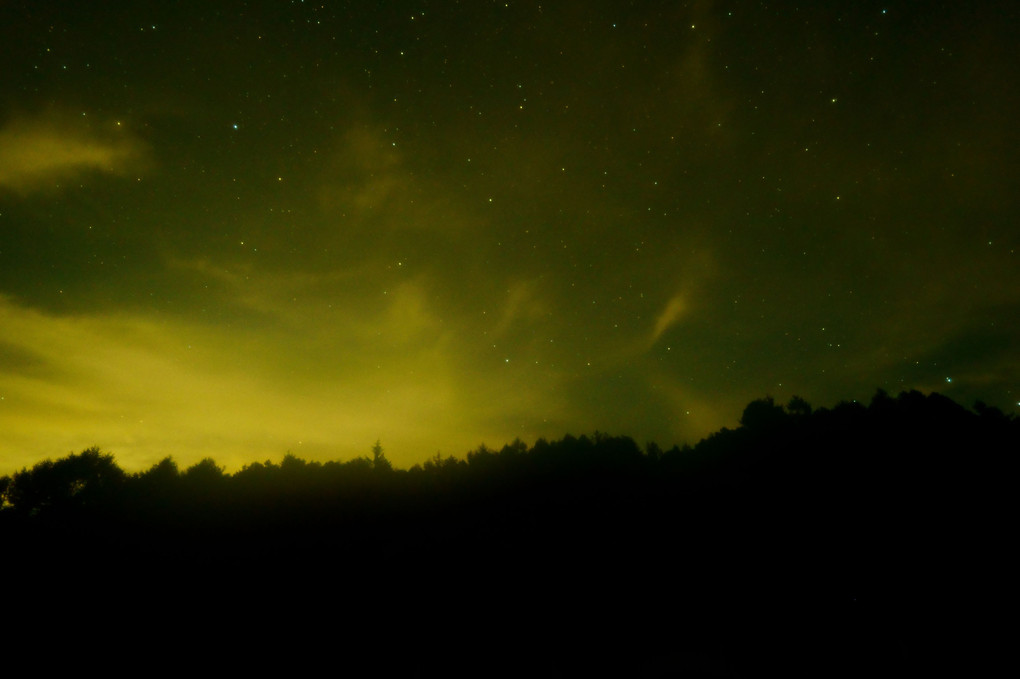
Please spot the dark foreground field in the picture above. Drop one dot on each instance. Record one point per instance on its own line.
(852, 541)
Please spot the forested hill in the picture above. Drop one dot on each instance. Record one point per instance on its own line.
(813, 542)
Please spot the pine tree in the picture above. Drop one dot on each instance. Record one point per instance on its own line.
(379, 460)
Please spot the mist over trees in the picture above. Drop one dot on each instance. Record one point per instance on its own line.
(816, 542)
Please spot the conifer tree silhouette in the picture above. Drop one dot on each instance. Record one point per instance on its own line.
(379, 460)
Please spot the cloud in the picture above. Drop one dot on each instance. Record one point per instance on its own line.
(365, 305)
(368, 183)
(523, 303)
(38, 154)
(675, 309)
(144, 386)
(367, 173)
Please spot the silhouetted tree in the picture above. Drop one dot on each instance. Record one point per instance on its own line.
(881, 402)
(163, 473)
(514, 448)
(653, 451)
(204, 475)
(5, 484)
(439, 463)
(762, 414)
(798, 407)
(379, 460)
(292, 465)
(87, 479)
(990, 412)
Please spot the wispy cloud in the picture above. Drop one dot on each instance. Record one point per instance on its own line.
(675, 309)
(144, 386)
(40, 153)
(367, 173)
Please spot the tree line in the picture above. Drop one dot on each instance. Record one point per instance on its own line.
(870, 526)
(892, 434)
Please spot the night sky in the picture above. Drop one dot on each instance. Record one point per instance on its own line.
(237, 229)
